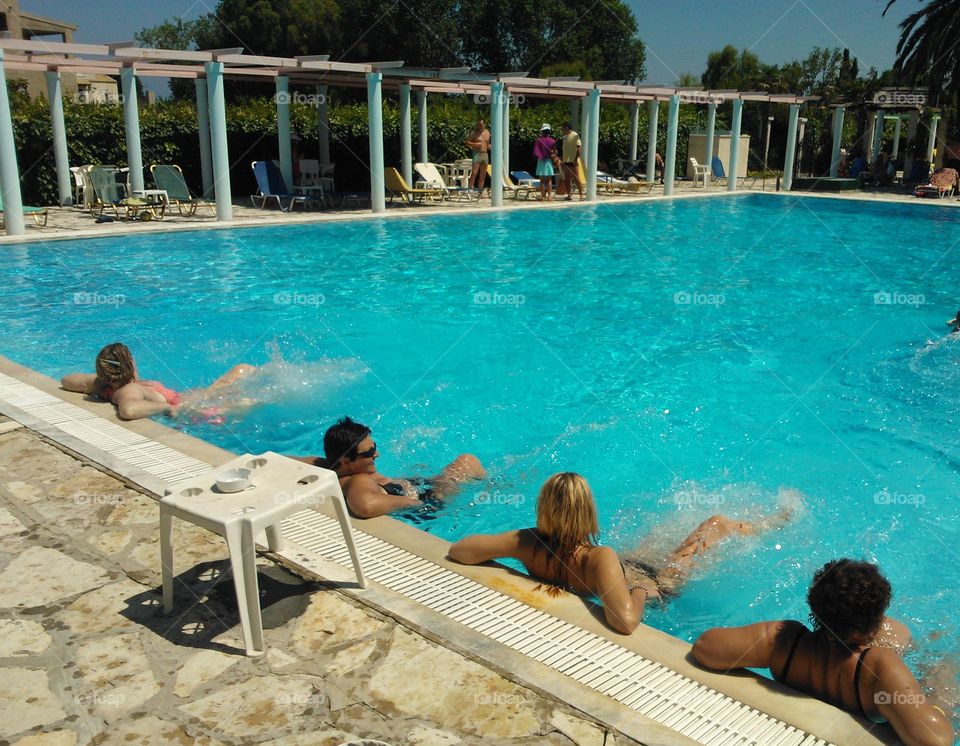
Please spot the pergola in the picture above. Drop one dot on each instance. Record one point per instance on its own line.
(210, 68)
(892, 105)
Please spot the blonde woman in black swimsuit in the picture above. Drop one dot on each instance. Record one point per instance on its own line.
(562, 551)
(849, 658)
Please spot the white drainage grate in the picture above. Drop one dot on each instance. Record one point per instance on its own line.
(33, 407)
(663, 695)
(653, 690)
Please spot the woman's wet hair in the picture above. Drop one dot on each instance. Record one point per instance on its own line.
(341, 440)
(566, 518)
(114, 366)
(848, 598)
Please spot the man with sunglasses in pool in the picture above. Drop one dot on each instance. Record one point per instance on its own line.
(350, 451)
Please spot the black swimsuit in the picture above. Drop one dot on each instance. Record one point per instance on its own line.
(645, 568)
(782, 678)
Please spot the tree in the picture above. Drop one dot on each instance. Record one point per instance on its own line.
(729, 69)
(688, 80)
(927, 52)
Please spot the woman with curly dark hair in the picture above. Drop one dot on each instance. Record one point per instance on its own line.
(851, 657)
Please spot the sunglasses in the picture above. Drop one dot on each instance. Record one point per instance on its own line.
(367, 453)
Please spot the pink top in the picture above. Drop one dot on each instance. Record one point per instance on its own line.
(542, 147)
(172, 397)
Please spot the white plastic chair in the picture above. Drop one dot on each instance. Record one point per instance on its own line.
(309, 172)
(699, 171)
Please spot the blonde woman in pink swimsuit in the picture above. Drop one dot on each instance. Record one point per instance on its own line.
(118, 382)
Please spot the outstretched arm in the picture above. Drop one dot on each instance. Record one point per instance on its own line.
(752, 646)
(133, 405)
(82, 383)
(367, 500)
(480, 548)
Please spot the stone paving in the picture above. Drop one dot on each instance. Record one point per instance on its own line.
(87, 658)
(70, 222)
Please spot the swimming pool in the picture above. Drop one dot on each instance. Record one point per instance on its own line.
(688, 357)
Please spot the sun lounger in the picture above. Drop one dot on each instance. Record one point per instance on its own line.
(525, 179)
(109, 193)
(271, 185)
(719, 173)
(431, 179)
(35, 212)
(517, 191)
(396, 185)
(942, 184)
(170, 179)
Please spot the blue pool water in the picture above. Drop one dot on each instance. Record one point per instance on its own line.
(688, 357)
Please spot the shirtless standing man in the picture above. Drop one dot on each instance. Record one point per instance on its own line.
(479, 142)
(351, 452)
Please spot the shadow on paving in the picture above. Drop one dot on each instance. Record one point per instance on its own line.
(205, 605)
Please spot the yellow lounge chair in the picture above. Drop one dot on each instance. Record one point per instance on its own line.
(395, 184)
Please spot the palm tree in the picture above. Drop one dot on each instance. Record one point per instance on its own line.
(927, 52)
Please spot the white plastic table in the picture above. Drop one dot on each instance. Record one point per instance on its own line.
(280, 486)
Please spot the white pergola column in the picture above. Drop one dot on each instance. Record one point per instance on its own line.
(878, 122)
(735, 119)
(60, 156)
(932, 139)
(634, 129)
(670, 157)
(496, 141)
(422, 125)
(131, 123)
(653, 116)
(868, 144)
(837, 141)
(406, 136)
(711, 129)
(283, 129)
(941, 145)
(218, 140)
(203, 134)
(913, 123)
(585, 134)
(593, 140)
(9, 173)
(378, 198)
(788, 159)
(896, 137)
(506, 130)
(323, 124)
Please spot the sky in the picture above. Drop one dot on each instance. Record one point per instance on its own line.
(678, 34)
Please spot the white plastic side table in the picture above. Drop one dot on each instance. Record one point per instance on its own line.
(280, 486)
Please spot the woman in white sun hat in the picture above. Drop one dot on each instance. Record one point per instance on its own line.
(544, 148)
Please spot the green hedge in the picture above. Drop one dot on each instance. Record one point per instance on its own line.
(95, 134)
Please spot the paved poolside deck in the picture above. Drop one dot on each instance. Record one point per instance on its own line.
(71, 222)
(78, 569)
